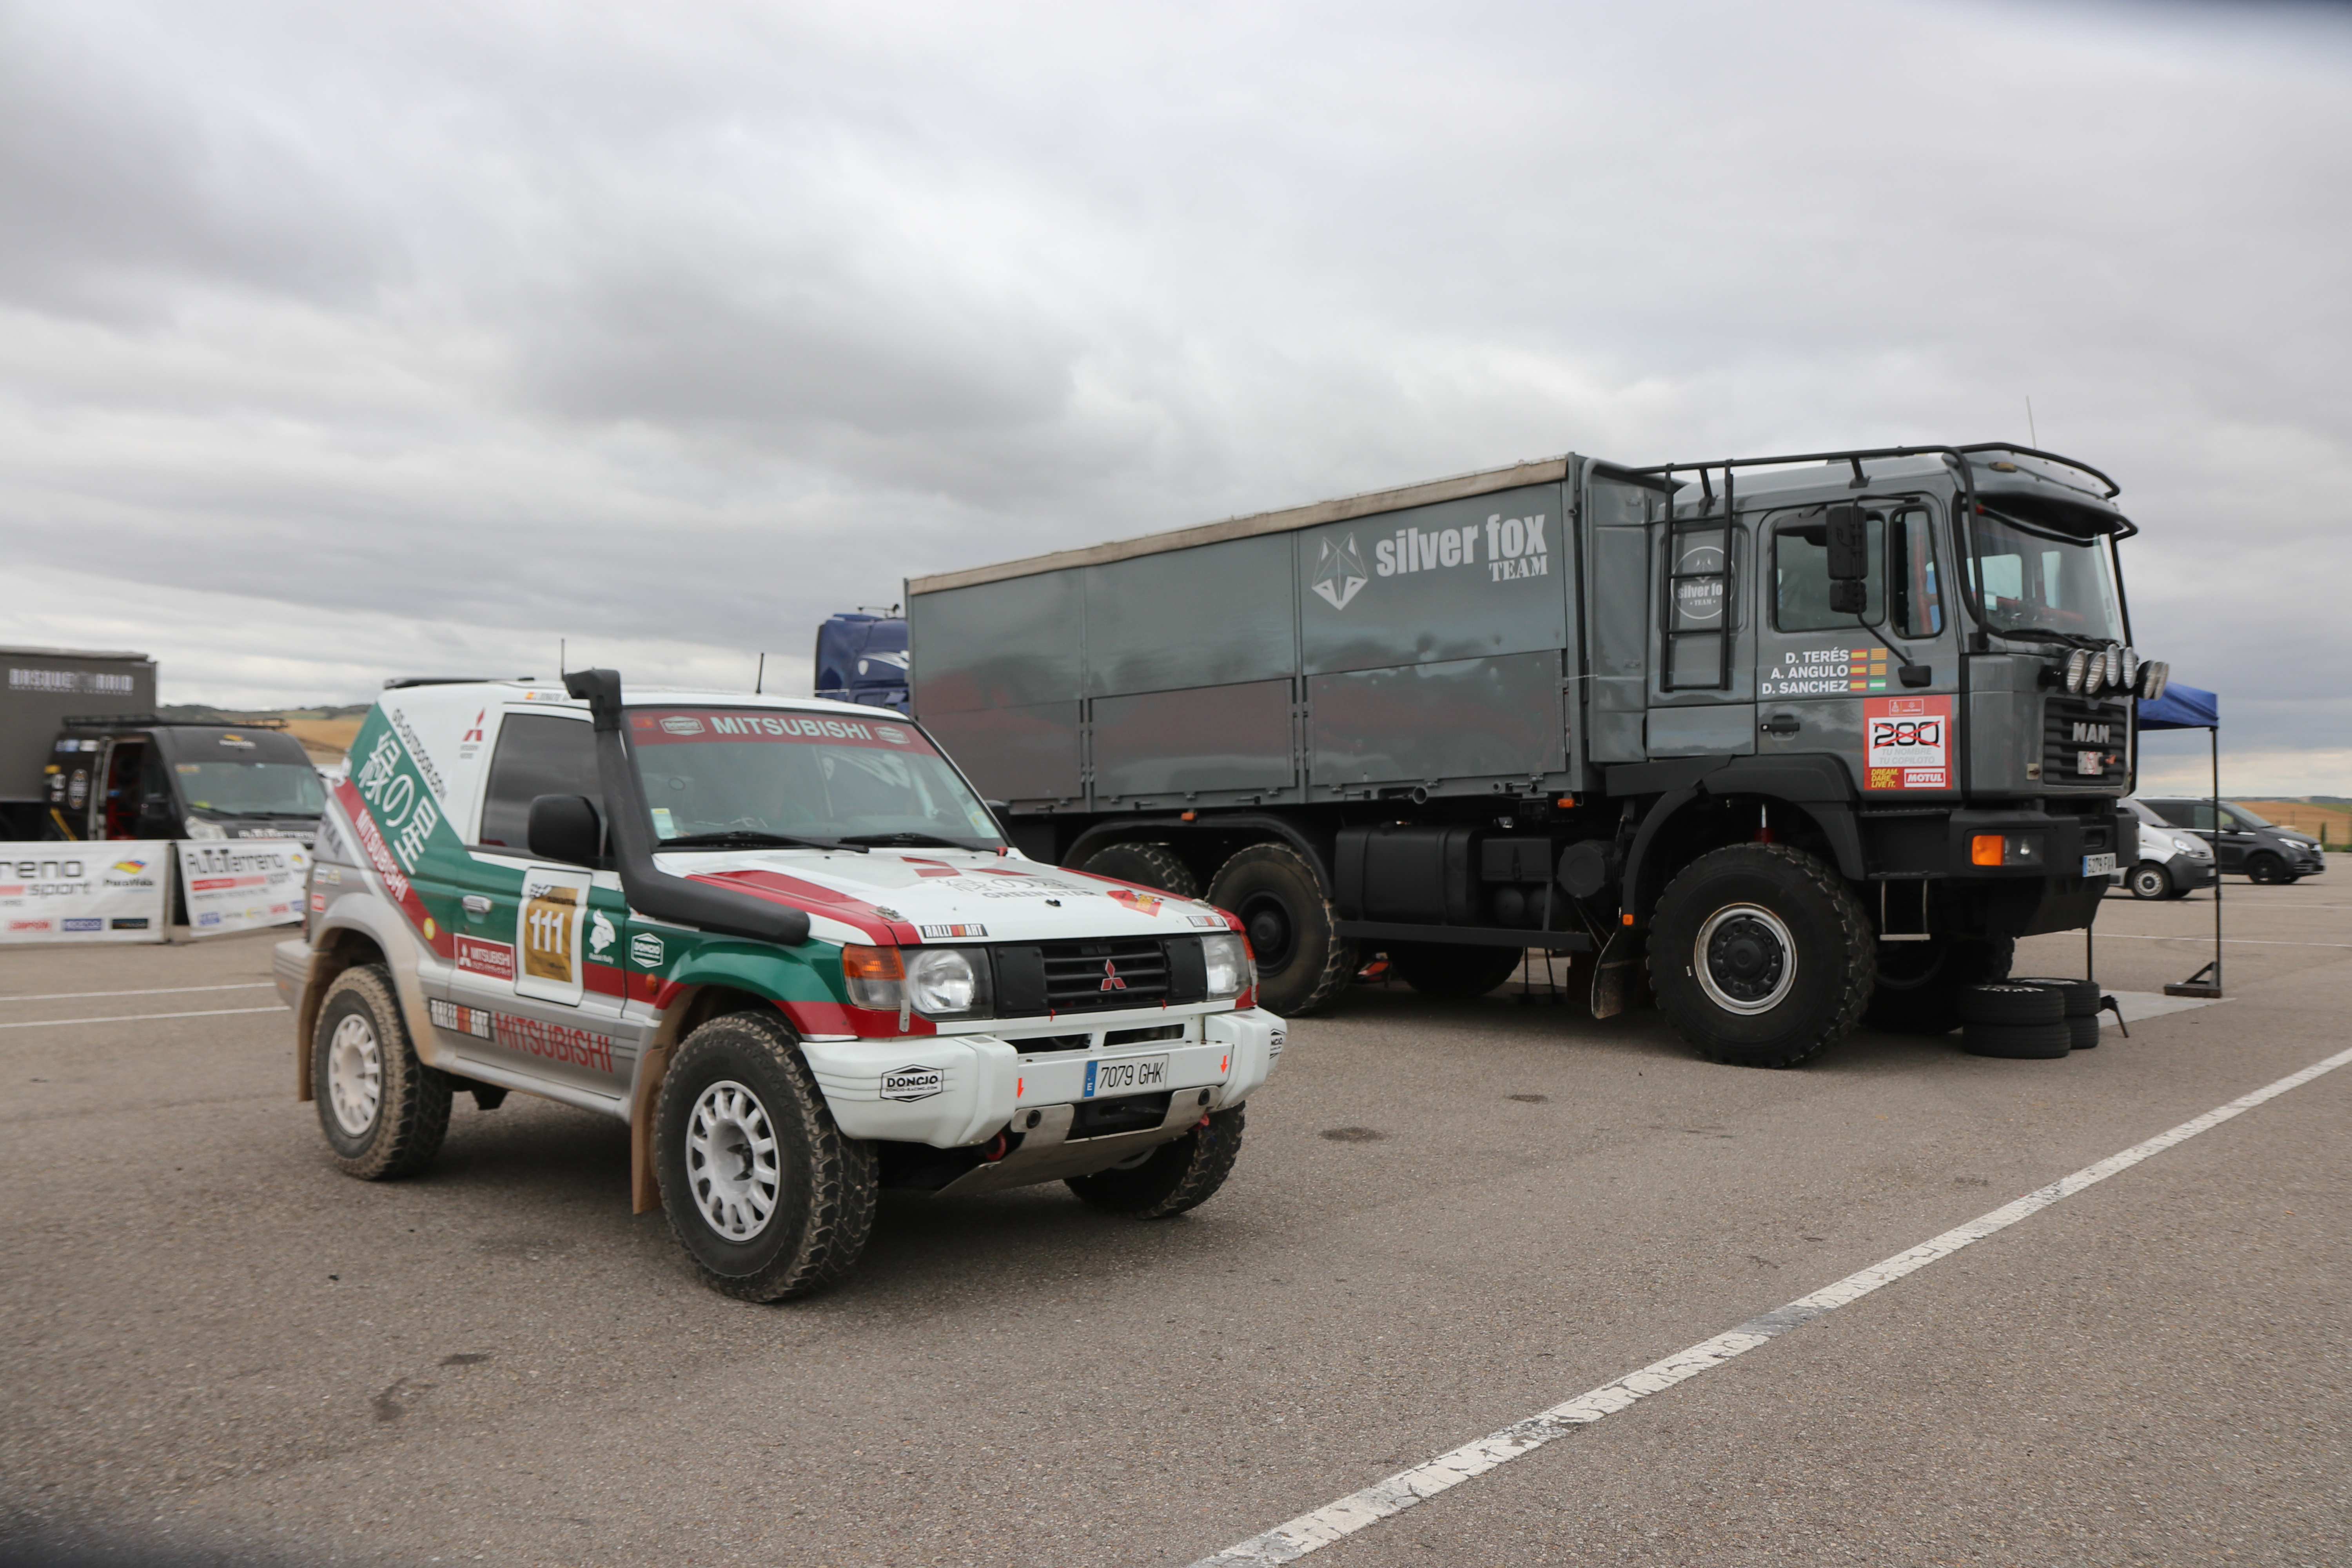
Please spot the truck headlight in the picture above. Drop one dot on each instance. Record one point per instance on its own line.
(948, 982)
(2078, 669)
(2155, 675)
(2129, 671)
(1231, 973)
(199, 829)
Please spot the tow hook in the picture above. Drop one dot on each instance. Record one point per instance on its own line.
(998, 1147)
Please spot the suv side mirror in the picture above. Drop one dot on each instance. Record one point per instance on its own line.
(566, 827)
(1849, 550)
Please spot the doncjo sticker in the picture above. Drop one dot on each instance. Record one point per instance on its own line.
(1907, 743)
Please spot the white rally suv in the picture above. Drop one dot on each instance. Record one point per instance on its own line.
(782, 940)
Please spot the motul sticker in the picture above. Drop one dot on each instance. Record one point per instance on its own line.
(1907, 742)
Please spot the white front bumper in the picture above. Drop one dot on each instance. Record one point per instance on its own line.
(982, 1079)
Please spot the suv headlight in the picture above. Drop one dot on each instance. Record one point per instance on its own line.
(198, 828)
(1230, 969)
(948, 982)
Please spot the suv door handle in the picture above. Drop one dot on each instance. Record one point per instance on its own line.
(1780, 724)
(476, 904)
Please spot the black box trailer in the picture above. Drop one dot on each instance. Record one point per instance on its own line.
(1819, 732)
(43, 688)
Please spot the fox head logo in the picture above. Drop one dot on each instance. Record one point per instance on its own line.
(1339, 574)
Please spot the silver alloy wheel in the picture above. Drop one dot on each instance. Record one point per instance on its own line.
(355, 1074)
(2149, 881)
(730, 1160)
(1745, 959)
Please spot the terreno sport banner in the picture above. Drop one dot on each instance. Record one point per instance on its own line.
(244, 884)
(112, 891)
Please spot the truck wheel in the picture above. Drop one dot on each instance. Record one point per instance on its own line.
(1172, 1178)
(766, 1195)
(1443, 969)
(1760, 956)
(2265, 868)
(2149, 880)
(1293, 931)
(383, 1112)
(1919, 988)
(1152, 865)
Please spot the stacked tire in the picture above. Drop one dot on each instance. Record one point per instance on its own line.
(2082, 998)
(2015, 1018)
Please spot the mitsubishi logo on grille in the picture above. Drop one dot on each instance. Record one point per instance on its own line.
(1111, 982)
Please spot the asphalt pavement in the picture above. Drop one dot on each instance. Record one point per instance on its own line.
(1447, 1216)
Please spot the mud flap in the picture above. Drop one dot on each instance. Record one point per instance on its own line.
(1617, 974)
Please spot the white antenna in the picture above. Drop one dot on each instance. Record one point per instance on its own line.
(563, 661)
(2031, 434)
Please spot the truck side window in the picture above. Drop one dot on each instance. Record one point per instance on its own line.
(1911, 575)
(538, 754)
(1800, 576)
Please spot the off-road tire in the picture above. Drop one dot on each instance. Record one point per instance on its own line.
(410, 1113)
(1179, 1175)
(1918, 984)
(2013, 1003)
(1448, 969)
(1271, 886)
(823, 1199)
(1830, 952)
(2080, 997)
(2083, 1034)
(2151, 880)
(1148, 865)
(2018, 1042)
(2265, 868)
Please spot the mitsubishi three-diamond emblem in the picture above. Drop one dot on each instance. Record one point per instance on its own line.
(1339, 573)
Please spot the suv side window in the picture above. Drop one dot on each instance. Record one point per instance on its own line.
(539, 753)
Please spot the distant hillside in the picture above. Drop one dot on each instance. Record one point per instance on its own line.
(326, 733)
(2326, 818)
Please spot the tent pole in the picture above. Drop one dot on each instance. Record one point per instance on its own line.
(2214, 735)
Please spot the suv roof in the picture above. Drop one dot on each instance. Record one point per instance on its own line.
(550, 694)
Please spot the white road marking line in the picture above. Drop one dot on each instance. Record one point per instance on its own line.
(138, 1018)
(157, 991)
(1309, 1532)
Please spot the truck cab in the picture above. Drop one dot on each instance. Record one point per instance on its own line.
(142, 776)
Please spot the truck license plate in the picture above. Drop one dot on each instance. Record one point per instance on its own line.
(1125, 1074)
(2087, 764)
(2098, 865)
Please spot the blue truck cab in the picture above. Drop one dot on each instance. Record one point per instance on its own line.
(862, 657)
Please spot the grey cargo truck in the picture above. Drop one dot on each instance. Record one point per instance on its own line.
(1817, 737)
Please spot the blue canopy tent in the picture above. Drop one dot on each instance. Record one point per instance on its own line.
(2181, 706)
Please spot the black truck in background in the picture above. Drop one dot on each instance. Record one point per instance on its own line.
(44, 687)
(1818, 736)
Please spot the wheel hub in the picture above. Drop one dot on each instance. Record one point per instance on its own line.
(354, 1075)
(730, 1160)
(1269, 924)
(1745, 958)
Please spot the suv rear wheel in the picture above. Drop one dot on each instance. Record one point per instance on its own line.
(1760, 955)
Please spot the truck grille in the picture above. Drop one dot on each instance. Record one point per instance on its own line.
(2073, 725)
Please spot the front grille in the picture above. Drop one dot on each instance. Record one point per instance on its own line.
(1093, 976)
(2073, 725)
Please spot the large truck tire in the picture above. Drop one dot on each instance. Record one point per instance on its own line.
(769, 1198)
(383, 1112)
(2149, 880)
(2081, 1000)
(1760, 955)
(1174, 1177)
(1446, 969)
(1151, 865)
(2018, 1042)
(2012, 1002)
(1917, 991)
(1294, 932)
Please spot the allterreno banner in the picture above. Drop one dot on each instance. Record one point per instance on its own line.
(243, 884)
(111, 890)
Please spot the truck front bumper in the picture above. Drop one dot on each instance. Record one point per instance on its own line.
(953, 1090)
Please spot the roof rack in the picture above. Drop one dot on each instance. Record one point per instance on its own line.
(403, 682)
(157, 721)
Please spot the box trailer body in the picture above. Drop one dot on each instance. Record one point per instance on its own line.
(1507, 710)
(43, 688)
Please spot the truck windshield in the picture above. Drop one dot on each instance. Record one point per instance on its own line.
(801, 775)
(250, 789)
(2038, 582)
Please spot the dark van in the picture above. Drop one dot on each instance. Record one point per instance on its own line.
(2247, 846)
(139, 777)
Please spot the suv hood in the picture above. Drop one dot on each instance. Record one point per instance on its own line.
(943, 895)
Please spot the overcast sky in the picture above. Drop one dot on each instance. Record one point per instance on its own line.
(350, 341)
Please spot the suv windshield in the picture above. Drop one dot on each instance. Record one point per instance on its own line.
(2038, 582)
(799, 775)
(251, 789)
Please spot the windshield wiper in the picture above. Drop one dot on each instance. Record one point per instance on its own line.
(908, 840)
(744, 838)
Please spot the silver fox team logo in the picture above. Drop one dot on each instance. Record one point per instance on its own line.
(1339, 573)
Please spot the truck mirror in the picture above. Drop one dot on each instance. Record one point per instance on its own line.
(1848, 548)
(566, 827)
(1849, 599)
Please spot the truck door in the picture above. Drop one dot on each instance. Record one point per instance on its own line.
(535, 983)
(1703, 679)
(1825, 684)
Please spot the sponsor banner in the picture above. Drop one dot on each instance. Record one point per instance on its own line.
(243, 884)
(701, 726)
(100, 891)
(1907, 743)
